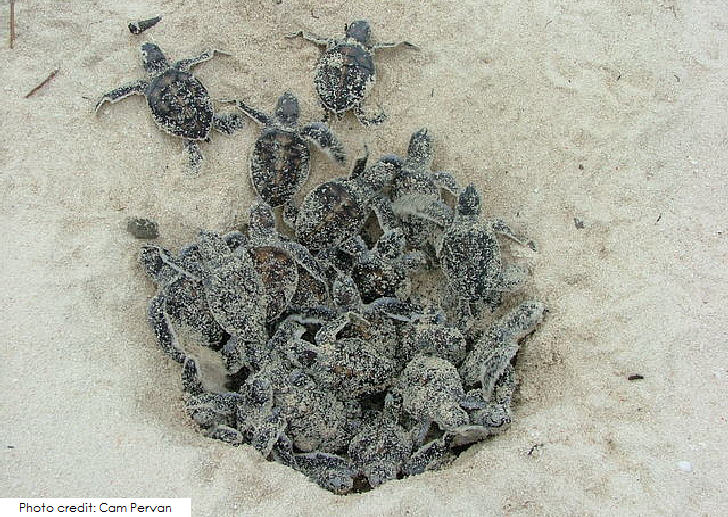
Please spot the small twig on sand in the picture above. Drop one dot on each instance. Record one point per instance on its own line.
(12, 23)
(41, 85)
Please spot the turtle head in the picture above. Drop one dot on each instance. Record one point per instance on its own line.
(261, 219)
(359, 31)
(153, 59)
(420, 148)
(469, 202)
(287, 109)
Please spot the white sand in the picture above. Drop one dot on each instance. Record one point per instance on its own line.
(518, 94)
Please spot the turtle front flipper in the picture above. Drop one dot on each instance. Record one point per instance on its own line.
(425, 208)
(258, 116)
(445, 180)
(195, 156)
(186, 65)
(322, 42)
(163, 330)
(386, 217)
(227, 123)
(389, 44)
(322, 136)
(502, 228)
(135, 88)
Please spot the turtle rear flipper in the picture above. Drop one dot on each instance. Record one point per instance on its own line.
(195, 156)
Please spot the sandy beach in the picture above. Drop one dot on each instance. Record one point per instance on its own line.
(599, 130)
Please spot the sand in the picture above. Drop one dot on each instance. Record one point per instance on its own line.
(609, 114)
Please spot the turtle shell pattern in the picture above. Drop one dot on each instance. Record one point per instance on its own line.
(329, 215)
(279, 274)
(377, 279)
(343, 75)
(180, 104)
(279, 165)
(471, 260)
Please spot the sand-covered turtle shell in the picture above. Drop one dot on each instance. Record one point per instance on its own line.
(471, 260)
(180, 104)
(330, 214)
(279, 274)
(279, 165)
(377, 279)
(185, 303)
(343, 75)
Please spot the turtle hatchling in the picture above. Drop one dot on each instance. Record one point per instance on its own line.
(335, 211)
(346, 70)
(417, 193)
(470, 256)
(280, 160)
(180, 104)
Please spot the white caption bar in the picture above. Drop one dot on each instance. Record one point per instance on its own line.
(179, 507)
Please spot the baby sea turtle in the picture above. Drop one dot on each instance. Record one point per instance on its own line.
(336, 210)
(384, 270)
(493, 352)
(180, 304)
(417, 193)
(380, 450)
(281, 263)
(470, 254)
(234, 289)
(346, 71)
(280, 160)
(431, 391)
(180, 104)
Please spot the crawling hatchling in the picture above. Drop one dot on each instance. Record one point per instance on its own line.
(280, 159)
(180, 305)
(290, 273)
(470, 255)
(346, 71)
(417, 193)
(335, 211)
(180, 104)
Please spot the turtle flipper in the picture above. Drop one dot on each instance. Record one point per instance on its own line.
(391, 44)
(195, 156)
(258, 116)
(227, 123)
(501, 228)
(322, 136)
(186, 65)
(135, 88)
(367, 120)
(323, 42)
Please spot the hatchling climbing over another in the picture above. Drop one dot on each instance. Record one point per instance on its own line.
(335, 211)
(417, 189)
(280, 161)
(346, 71)
(180, 104)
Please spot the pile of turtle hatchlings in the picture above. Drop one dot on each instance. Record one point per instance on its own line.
(358, 337)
